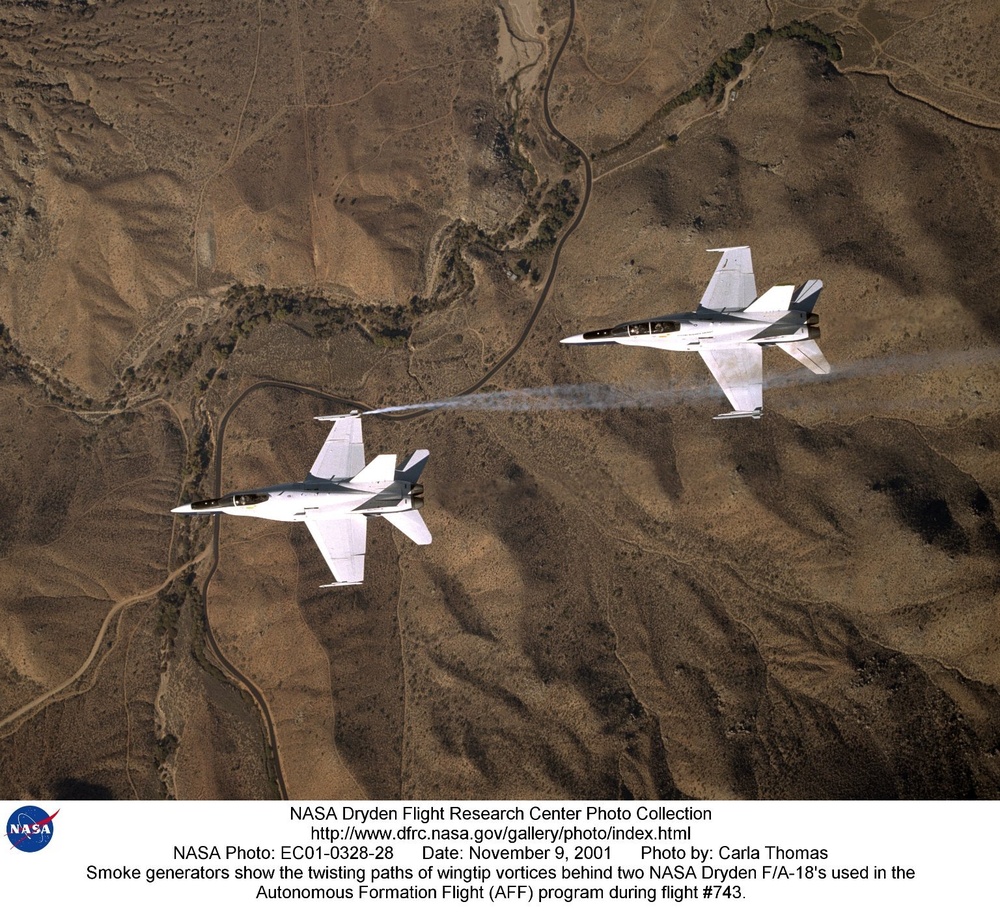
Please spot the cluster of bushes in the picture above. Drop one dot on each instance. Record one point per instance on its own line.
(551, 208)
(507, 145)
(58, 389)
(557, 209)
(199, 456)
(171, 600)
(728, 66)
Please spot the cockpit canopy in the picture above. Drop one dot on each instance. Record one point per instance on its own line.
(631, 329)
(246, 499)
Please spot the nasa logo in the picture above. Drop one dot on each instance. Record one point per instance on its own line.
(30, 828)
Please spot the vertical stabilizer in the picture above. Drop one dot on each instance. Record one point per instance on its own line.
(412, 466)
(806, 296)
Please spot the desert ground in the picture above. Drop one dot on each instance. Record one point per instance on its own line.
(220, 220)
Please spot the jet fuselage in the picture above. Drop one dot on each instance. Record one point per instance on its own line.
(706, 329)
(292, 502)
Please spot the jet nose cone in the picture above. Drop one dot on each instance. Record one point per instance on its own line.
(574, 339)
(186, 508)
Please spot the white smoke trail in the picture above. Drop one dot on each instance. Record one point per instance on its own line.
(594, 396)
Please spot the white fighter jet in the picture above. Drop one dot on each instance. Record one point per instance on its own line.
(729, 329)
(337, 497)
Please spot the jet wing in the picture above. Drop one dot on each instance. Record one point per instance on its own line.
(732, 287)
(342, 541)
(739, 370)
(343, 453)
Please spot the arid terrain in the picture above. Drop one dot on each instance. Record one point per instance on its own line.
(219, 220)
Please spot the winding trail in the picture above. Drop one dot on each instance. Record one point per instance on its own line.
(231, 670)
(52, 694)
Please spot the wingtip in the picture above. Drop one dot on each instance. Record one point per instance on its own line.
(356, 412)
(755, 414)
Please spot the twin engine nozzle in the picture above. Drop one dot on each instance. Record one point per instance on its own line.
(416, 495)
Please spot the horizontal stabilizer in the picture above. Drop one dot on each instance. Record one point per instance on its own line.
(412, 466)
(806, 296)
(380, 469)
(411, 524)
(808, 354)
(777, 299)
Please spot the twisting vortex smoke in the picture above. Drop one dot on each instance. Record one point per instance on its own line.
(595, 396)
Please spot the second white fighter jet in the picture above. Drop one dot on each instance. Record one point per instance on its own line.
(337, 497)
(729, 329)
